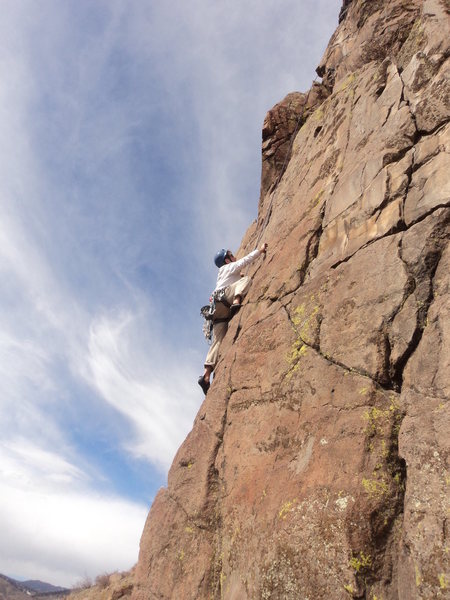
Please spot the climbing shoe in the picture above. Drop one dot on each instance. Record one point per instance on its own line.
(203, 384)
(234, 308)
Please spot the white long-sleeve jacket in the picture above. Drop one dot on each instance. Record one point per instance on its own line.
(230, 273)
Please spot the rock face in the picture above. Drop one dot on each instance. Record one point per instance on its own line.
(317, 465)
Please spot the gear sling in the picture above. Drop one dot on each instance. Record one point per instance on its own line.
(208, 311)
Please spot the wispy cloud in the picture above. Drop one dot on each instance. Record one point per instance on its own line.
(25, 462)
(149, 395)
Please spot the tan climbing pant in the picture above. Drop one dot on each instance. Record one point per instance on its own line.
(240, 288)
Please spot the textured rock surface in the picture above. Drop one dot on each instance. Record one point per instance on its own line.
(317, 466)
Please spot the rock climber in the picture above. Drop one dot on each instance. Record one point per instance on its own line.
(235, 286)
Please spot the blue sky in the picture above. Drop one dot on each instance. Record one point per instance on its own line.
(130, 152)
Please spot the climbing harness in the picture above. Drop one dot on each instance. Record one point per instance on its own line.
(208, 311)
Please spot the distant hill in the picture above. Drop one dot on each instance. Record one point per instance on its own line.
(11, 589)
(41, 587)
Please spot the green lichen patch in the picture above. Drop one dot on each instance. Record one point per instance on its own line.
(286, 508)
(348, 83)
(375, 488)
(383, 421)
(317, 198)
(360, 563)
(349, 588)
(305, 321)
(382, 427)
(297, 351)
(382, 485)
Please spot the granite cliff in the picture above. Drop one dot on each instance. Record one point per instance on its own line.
(317, 465)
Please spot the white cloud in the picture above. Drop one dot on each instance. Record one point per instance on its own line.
(149, 395)
(21, 458)
(58, 532)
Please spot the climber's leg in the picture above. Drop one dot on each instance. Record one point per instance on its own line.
(236, 293)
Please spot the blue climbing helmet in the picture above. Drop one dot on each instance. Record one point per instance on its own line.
(219, 258)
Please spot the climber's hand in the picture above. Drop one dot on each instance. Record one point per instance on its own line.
(263, 248)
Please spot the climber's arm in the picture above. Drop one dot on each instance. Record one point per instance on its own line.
(246, 260)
